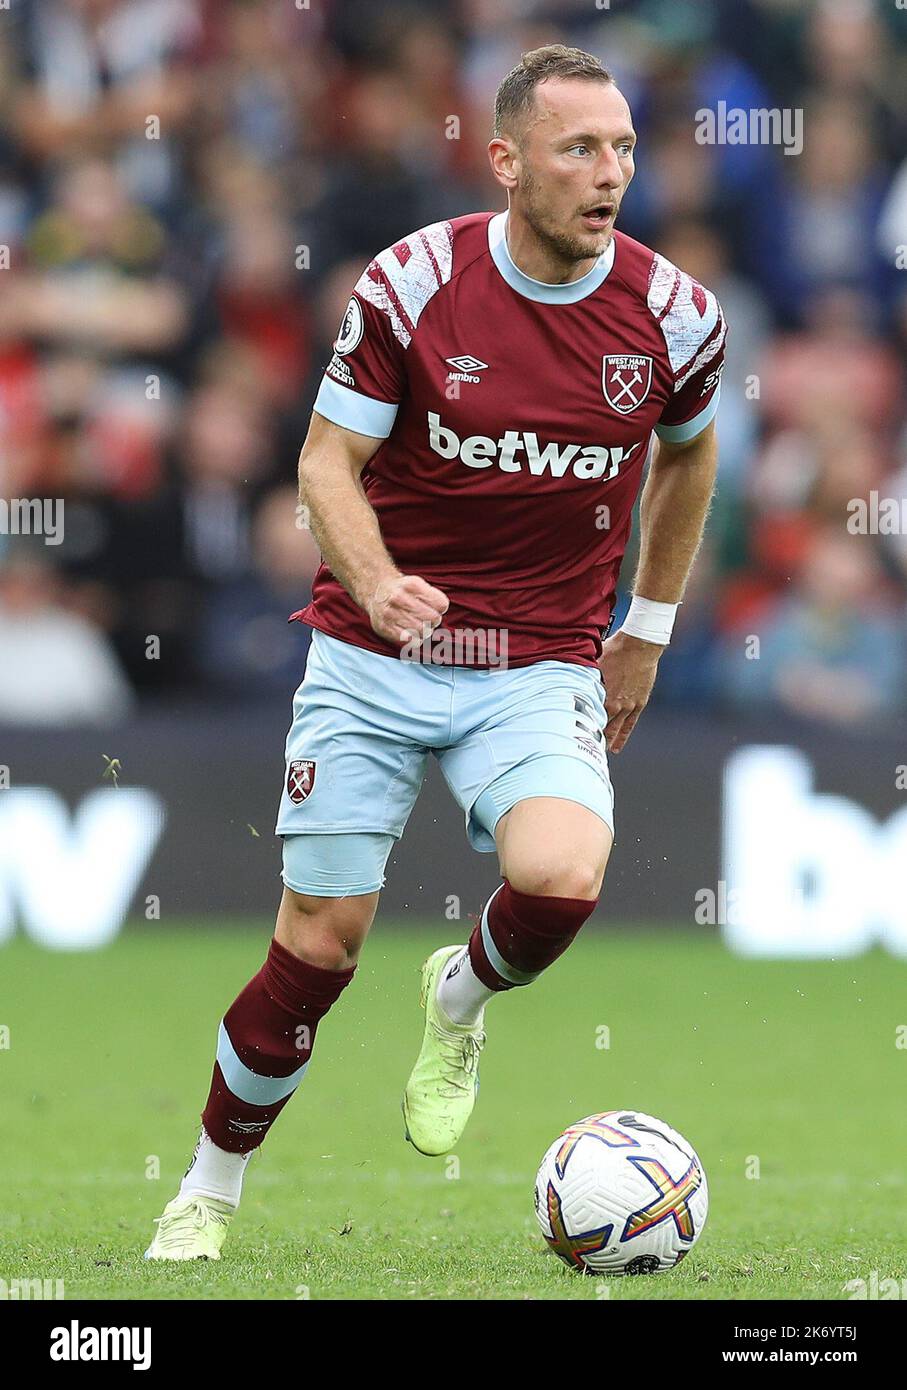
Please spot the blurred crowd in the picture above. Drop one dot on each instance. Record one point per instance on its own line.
(189, 189)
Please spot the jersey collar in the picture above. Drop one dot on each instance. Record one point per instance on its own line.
(540, 290)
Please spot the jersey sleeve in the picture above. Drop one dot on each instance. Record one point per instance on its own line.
(363, 383)
(694, 331)
(366, 377)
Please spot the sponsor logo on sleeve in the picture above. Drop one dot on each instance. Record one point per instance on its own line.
(712, 380)
(339, 370)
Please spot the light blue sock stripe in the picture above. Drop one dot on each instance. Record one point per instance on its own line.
(248, 1085)
(497, 961)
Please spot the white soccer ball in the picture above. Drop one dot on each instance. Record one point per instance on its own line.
(621, 1193)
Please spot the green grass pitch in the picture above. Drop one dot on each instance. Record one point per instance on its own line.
(792, 1065)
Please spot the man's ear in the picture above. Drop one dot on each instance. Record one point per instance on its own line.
(503, 155)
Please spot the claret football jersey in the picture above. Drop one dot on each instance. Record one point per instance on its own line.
(515, 418)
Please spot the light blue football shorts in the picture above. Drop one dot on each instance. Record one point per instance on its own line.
(364, 725)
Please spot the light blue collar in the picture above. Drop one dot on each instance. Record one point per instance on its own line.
(540, 290)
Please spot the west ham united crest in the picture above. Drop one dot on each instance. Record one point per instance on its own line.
(300, 779)
(626, 380)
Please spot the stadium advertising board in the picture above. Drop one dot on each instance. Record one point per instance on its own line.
(789, 848)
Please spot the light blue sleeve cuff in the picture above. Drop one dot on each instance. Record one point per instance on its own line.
(682, 434)
(355, 412)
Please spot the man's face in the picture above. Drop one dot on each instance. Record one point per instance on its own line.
(573, 164)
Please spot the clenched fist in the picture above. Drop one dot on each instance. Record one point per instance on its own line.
(405, 607)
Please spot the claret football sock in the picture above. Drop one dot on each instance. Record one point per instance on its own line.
(263, 1047)
(521, 934)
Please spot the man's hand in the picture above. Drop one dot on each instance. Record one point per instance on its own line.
(674, 504)
(345, 527)
(404, 606)
(628, 666)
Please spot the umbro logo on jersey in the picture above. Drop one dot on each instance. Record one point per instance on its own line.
(466, 368)
(466, 363)
(481, 451)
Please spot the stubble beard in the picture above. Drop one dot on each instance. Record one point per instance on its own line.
(568, 248)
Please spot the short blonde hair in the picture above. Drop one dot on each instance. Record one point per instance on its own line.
(516, 94)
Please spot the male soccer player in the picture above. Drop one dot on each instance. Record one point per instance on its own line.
(474, 455)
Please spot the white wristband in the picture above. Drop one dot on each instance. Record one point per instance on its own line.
(650, 621)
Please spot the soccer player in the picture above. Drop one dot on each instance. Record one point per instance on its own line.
(475, 452)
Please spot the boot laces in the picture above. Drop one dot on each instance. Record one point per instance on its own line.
(173, 1226)
(460, 1058)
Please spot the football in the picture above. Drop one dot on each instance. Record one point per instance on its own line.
(621, 1193)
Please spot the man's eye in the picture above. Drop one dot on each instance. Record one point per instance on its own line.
(584, 148)
(625, 149)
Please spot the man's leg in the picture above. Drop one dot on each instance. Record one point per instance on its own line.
(527, 764)
(266, 1038)
(267, 1035)
(355, 759)
(553, 854)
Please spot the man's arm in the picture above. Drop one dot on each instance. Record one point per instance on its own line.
(346, 529)
(674, 506)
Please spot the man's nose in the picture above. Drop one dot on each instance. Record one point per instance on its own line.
(609, 173)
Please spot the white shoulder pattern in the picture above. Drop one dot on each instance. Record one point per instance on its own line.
(401, 280)
(690, 318)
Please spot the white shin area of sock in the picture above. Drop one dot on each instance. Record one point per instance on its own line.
(215, 1173)
(461, 994)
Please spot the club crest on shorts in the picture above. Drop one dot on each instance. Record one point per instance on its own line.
(300, 779)
(626, 379)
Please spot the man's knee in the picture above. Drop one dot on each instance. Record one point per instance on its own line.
(552, 848)
(546, 878)
(522, 934)
(327, 932)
